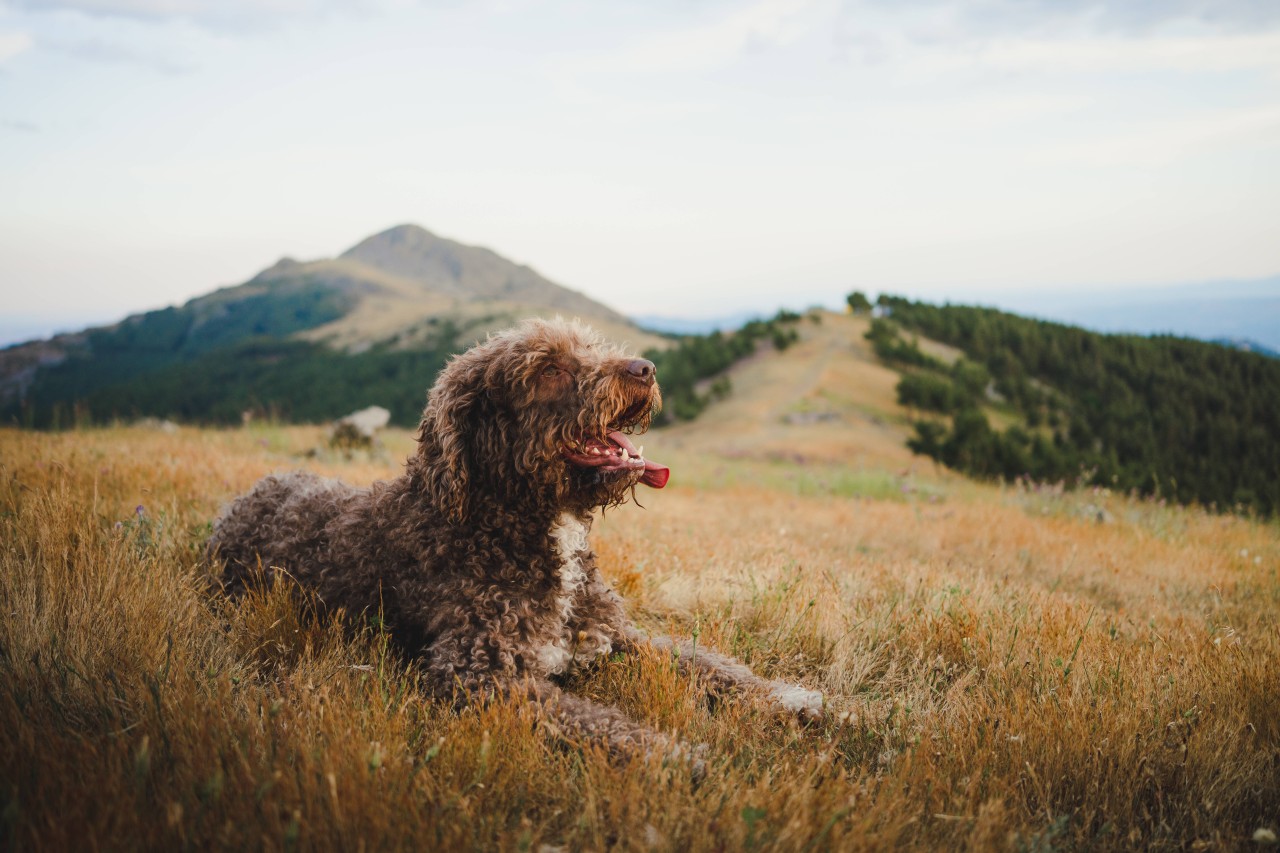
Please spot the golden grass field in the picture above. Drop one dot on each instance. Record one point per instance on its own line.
(1007, 668)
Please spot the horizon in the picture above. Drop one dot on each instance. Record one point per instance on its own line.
(660, 159)
(1081, 307)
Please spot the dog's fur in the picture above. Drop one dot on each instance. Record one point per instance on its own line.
(477, 557)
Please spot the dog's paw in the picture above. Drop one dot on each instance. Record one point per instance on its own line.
(800, 702)
(691, 755)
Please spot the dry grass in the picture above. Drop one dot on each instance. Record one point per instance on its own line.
(1013, 674)
(826, 398)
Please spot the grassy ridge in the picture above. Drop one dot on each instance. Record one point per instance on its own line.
(1185, 419)
(1014, 674)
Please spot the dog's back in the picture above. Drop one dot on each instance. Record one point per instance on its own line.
(279, 524)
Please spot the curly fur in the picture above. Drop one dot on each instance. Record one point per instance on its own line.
(477, 556)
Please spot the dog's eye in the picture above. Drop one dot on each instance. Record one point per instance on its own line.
(552, 370)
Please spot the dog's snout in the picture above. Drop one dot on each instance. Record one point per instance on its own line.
(642, 369)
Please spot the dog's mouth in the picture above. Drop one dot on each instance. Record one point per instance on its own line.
(615, 452)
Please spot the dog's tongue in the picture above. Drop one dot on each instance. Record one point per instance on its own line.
(655, 475)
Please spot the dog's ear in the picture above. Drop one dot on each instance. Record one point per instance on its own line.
(448, 423)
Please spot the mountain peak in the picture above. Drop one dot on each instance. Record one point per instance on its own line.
(281, 268)
(467, 273)
(401, 286)
(406, 235)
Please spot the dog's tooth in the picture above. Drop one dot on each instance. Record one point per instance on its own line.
(640, 451)
(625, 455)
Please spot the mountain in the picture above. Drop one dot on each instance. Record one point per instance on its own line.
(669, 325)
(468, 273)
(1246, 345)
(405, 276)
(402, 297)
(1210, 310)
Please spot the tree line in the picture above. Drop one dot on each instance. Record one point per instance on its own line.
(1161, 415)
(212, 366)
(692, 372)
(288, 380)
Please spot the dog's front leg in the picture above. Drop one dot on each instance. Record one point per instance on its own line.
(599, 612)
(598, 619)
(724, 675)
(576, 720)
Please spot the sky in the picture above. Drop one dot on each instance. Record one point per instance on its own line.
(691, 158)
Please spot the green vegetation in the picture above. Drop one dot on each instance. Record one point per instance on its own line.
(199, 362)
(699, 359)
(288, 380)
(930, 392)
(858, 302)
(885, 339)
(1192, 421)
(209, 363)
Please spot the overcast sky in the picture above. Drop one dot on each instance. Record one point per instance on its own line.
(680, 158)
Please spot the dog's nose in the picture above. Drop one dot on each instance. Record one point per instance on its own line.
(642, 369)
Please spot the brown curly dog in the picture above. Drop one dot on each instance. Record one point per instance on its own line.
(477, 557)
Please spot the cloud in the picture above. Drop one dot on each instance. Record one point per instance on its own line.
(718, 42)
(111, 53)
(1115, 54)
(12, 44)
(938, 37)
(214, 14)
(1073, 35)
(1128, 17)
(1141, 16)
(18, 126)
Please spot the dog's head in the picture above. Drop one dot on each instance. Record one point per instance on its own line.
(539, 412)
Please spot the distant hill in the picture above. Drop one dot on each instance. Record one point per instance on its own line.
(1214, 310)
(1179, 418)
(1246, 345)
(401, 300)
(468, 273)
(670, 325)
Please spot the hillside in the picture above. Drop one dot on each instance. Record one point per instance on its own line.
(824, 398)
(1005, 398)
(1170, 417)
(405, 277)
(380, 319)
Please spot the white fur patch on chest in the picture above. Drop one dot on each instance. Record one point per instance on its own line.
(569, 534)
